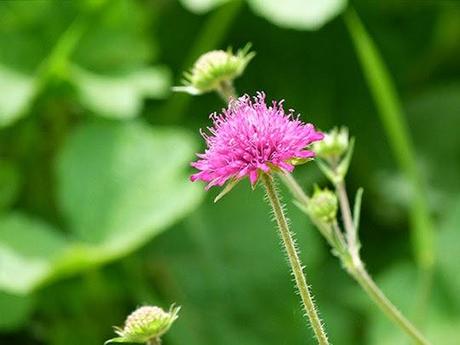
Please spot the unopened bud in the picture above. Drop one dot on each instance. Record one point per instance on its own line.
(146, 324)
(334, 144)
(323, 205)
(214, 68)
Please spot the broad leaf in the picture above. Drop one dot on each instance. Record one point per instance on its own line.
(121, 183)
(120, 96)
(110, 40)
(29, 249)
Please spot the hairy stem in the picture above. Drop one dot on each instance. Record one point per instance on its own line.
(294, 260)
(355, 266)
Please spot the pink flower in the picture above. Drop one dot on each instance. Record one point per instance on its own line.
(249, 137)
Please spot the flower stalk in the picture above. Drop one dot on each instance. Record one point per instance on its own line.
(294, 260)
(355, 267)
(226, 91)
(346, 243)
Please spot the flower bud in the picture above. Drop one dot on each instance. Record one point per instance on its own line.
(215, 68)
(145, 324)
(323, 205)
(334, 144)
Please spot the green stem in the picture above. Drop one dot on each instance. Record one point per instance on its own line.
(294, 260)
(227, 91)
(355, 266)
(295, 188)
(366, 282)
(392, 117)
(154, 341)
(352, 240)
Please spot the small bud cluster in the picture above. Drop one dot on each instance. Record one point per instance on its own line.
(334, 145)
(146, 324)
(323, 205)
(213, 69)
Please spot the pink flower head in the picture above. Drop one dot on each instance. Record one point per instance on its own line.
(249, 137)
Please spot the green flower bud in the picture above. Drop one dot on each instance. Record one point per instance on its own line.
(334, 144)
(213, 69)
(323, 205)
(145, 325)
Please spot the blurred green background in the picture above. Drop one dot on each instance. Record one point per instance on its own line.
(97, 213)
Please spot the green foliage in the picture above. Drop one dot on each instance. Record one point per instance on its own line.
(103, 54)
(97, 216)
(29, 250)
(439, 326)
(15, 311)
(120, 96)
(118, 176)
(112, 177)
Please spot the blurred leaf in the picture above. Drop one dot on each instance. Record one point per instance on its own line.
(16, 91)
(15, 311)
(121, 183)
(114, 43)
(438, 325)
(120, 41)
(9, 183)
(120, 96)
(28, 250)
(202, 6)
(298, 14)
(28, 31)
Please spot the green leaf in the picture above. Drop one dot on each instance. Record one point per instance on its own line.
(43, 40)
(16, 93)
(122, 183)
(28, 250)
(119, 185)
(120, 96)
(15, 311)
(298, 14)
(202, 6)
(120, 41)
(436, 322)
